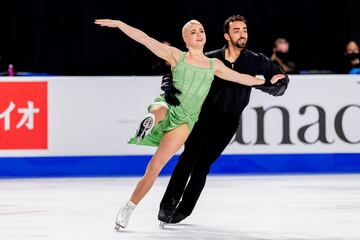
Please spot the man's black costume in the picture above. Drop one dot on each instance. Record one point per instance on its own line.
(217, 124)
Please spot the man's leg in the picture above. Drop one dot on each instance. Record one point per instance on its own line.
(181, 172)
(216, 142)
(175, 187)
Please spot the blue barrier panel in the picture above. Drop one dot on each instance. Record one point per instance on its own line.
(86, 166)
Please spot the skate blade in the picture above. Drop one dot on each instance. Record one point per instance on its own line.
(162, 225)
(140, 138)
(118, 226)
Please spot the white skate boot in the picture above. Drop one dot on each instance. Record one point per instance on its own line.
(145, 127)
(124, 214)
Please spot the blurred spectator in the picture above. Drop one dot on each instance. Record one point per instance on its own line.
(161, 67)
(352, 58)
(280, 55)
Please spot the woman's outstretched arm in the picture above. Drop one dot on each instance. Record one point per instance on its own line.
(168, 53)
(228, 74)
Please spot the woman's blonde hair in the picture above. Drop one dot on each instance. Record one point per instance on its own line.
(187, 25)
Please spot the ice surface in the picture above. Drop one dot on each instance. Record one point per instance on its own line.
(231, 207)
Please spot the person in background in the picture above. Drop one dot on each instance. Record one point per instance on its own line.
(280, 55)
(351, 58)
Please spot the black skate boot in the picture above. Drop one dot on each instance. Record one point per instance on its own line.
(165, 213)
(177, 217)
(145, 127)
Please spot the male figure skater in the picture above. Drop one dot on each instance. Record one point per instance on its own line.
(218, 120)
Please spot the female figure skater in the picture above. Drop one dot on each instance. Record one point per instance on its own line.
(168, 126)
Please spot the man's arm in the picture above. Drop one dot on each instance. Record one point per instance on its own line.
(268, 69)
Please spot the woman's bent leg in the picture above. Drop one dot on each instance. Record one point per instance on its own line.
(156, 114)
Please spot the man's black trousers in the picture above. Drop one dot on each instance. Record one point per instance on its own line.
(210, 136)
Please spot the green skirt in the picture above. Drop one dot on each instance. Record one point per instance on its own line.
(176, 116)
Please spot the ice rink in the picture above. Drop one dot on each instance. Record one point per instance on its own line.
(231, 207)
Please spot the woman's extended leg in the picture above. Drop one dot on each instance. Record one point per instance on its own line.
(169, 145)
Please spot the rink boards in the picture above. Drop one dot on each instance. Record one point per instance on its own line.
(79, 126)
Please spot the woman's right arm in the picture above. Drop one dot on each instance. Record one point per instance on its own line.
(230, 75)
(168, 53)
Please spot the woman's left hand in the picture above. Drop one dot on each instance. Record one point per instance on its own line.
(107, 23)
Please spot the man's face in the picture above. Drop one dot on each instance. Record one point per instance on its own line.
(238, 34)
(282, 47)
(352, 48)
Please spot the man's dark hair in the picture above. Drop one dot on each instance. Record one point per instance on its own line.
(233, 18)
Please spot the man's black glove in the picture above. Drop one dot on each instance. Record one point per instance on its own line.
(170, 91)
(276, 89)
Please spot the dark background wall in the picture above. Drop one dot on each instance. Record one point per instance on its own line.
(59, 37)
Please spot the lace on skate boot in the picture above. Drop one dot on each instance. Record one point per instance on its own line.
(145, 127)
(123, 216)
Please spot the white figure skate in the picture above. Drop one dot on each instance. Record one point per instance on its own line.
(145, 127)
(123, 216)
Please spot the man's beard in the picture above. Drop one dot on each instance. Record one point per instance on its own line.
(239, 44)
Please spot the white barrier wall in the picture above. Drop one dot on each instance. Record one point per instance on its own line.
(97, 115)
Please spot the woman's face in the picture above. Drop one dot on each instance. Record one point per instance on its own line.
(194, 35)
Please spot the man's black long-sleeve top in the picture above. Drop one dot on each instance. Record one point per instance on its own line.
(231, 97)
